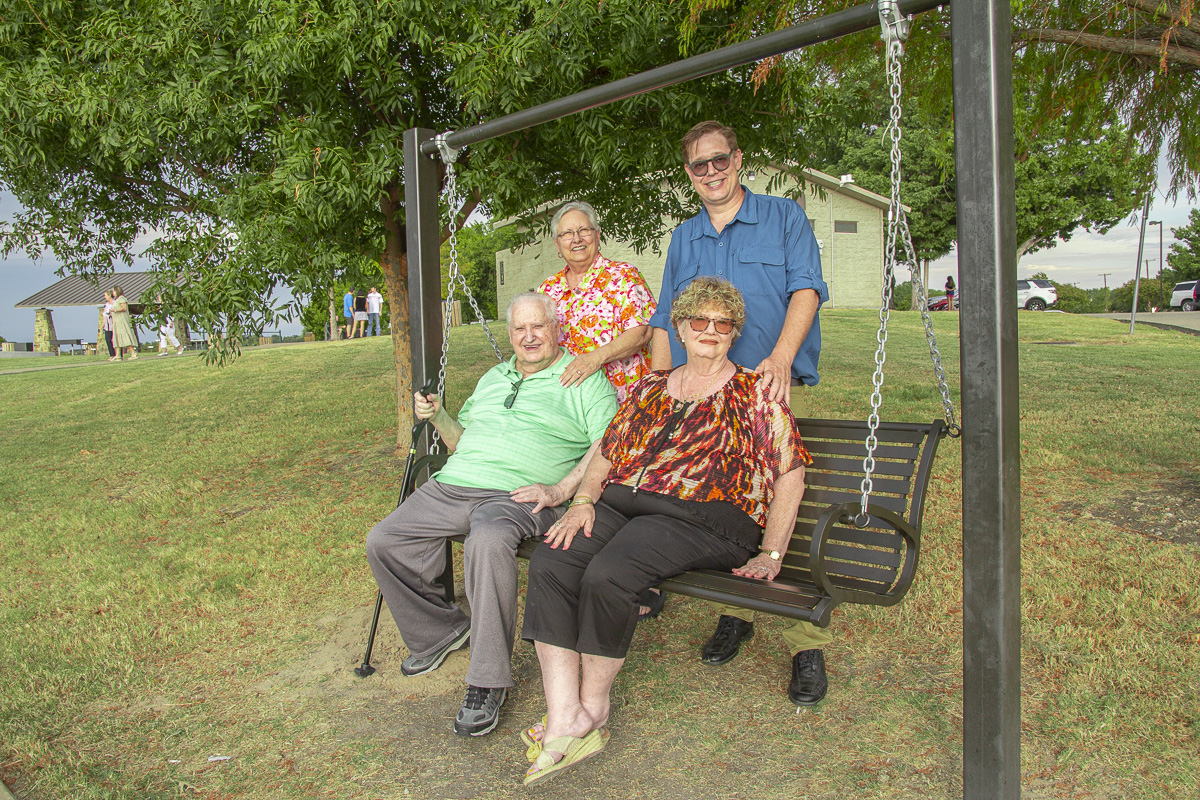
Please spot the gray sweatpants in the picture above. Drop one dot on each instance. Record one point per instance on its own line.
(407, 553)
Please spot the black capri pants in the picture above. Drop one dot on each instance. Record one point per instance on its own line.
(585, 598)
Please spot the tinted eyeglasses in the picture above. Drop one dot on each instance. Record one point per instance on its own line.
(582, 233)
(720, 164)
(512, 398)
(700, 324)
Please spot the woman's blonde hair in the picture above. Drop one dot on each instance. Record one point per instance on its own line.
(708, 292)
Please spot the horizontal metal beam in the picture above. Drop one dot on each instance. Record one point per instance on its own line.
(832, 26)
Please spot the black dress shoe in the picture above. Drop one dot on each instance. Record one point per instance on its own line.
(809, 683)
(724, 643)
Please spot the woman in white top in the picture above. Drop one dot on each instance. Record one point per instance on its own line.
(106, 313)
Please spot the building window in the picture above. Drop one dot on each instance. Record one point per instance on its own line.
(845, 226)
(501, 273)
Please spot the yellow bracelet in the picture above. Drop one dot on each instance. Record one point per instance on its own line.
(581, 500)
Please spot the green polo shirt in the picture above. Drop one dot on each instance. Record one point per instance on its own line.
(539, 440)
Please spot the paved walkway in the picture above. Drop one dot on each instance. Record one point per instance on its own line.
(15, 366)
(1186, 321)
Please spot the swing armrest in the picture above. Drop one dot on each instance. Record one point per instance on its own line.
(836, 577)
(426, 465)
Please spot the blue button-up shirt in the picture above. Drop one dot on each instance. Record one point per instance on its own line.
(768, 251)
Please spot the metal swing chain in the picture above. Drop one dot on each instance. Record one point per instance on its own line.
(894, 31)
(456, 278)
(449, 156)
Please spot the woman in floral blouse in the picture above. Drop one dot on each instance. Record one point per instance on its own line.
(699, 469)
(604, 307)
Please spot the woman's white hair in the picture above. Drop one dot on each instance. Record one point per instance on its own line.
(575, 205)
(547, 303)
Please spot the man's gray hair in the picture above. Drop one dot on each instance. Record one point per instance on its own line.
(575, 205)
(546, 302)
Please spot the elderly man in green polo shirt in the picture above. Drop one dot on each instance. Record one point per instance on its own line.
(520, 446)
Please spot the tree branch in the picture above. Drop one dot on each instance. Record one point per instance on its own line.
(1170, 13)
(1172, 54)
(358, 93)
(163, 185)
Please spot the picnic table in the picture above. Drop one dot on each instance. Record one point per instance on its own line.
(59, 344)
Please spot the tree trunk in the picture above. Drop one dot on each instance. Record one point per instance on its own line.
(395, 274)
(333, 327)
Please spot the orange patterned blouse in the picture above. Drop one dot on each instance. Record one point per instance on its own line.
(612, 297)
(730, 446)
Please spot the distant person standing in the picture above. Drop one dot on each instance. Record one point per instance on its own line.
(360, 315)
(374, 308)
(348, 311)
(166, 333)
(950, 292)
(123, 335)
(108, 324)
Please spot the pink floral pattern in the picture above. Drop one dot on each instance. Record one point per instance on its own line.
(612, 297)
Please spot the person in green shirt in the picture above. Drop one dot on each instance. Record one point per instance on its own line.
(519, 447)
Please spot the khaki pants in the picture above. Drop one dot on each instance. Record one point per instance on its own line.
(801, 635)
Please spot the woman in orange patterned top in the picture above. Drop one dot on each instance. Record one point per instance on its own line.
(604, 307)
(700, 469)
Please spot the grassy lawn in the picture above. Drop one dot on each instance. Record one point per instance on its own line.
(184, 580)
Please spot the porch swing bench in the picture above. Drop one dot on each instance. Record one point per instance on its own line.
(857, 536)
(830, 560)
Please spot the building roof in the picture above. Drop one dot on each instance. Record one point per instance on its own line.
(849, 188)
(76, 291)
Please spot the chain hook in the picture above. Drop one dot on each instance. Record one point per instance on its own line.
(449, 154)
(893, 25)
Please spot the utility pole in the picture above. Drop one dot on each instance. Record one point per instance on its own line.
(1137, 273)
(1158, 222)
(1148, 277)
(1105, 275)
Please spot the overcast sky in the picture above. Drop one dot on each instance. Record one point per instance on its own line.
(1081, 261)
(1084, 259)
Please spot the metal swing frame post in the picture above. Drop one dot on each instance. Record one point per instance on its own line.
(981, 42)
(982, 60)
(424, 233)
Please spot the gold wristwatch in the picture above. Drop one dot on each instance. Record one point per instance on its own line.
(774, 555)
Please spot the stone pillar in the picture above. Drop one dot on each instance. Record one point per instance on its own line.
(101, 345)
(43, 331)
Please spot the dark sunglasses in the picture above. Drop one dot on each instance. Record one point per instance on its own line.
(512, 398)
(700, 324)
(720, 164)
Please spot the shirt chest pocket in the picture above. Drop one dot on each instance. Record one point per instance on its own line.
(683, 276)
(760, 270)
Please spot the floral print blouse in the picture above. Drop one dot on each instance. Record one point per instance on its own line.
(612, 298)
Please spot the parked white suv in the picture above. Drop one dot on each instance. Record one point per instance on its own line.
(1035, 294)
(1184, 297)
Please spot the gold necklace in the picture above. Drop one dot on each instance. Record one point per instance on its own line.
(703, 391)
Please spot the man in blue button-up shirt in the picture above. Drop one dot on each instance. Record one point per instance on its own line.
(765, 246)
